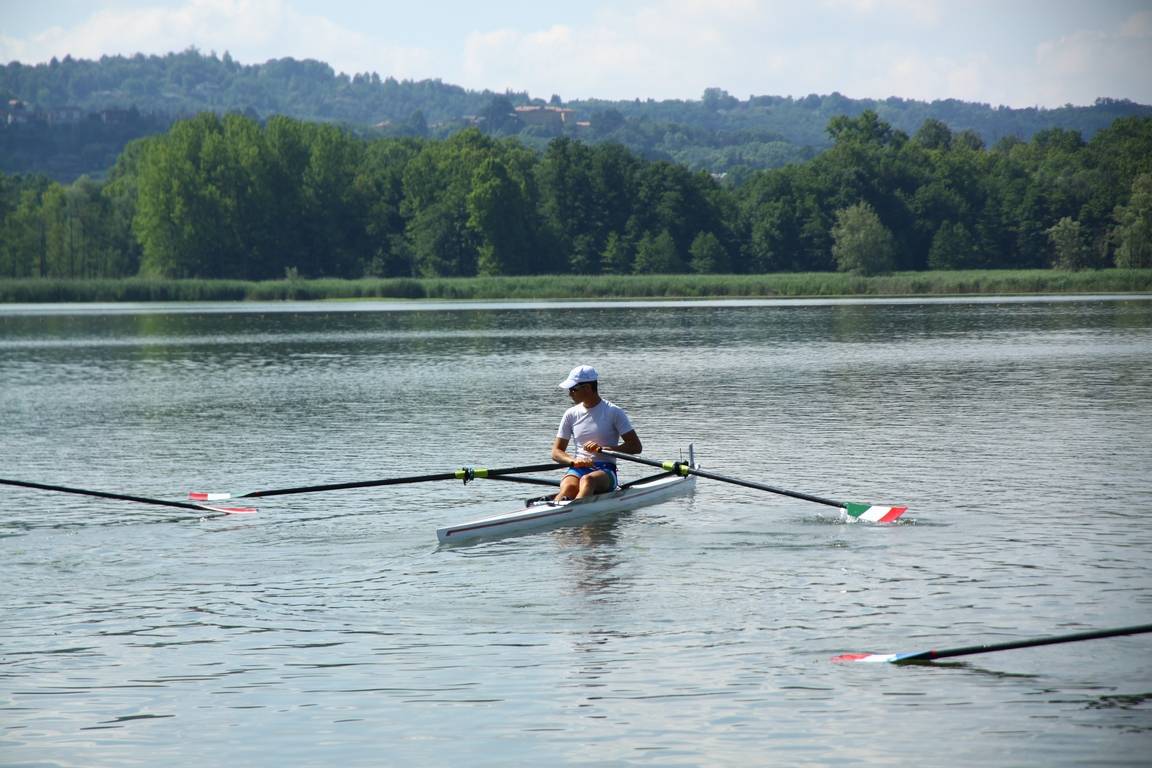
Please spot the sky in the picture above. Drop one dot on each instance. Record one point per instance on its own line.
(1018, 53)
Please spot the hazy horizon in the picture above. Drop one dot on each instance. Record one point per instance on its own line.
(1021, 54)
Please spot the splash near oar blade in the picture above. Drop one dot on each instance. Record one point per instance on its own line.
(873, 513)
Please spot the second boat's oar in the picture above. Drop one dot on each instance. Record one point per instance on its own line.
(871, 512)
(466, 474)
(126, 497)
(1008, 646)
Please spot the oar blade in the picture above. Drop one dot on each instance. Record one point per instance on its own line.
(208, 496)
(845, 658)
(873, 513)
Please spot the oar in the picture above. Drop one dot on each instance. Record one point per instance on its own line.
(946, 653)
(870, 512)
(466, 474)
(526, 480)
(125, 497)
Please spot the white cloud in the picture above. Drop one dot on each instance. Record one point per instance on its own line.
(665, 48)
(252, 30)
(1139, 25)
(1086, 64)
(924, 12)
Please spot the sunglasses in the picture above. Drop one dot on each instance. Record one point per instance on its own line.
(573, 389)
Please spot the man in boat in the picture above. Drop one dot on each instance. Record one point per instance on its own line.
(594, 423)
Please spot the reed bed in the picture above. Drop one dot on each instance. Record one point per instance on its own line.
(812, 284)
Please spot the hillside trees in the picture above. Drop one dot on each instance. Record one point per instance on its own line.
(717, 132)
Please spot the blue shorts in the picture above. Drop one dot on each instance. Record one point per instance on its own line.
(597, 466)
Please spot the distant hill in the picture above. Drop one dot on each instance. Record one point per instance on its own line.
(71, 117)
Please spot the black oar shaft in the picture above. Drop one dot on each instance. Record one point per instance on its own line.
(683, 469)
(459, 474)
(1027, 643)
(103, 494)
(525, 480)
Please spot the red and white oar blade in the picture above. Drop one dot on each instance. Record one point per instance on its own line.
(874, 513)
(865, 657)
(202, 496)
(228, 510)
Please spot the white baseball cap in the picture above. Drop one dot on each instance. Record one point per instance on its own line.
(581, 374)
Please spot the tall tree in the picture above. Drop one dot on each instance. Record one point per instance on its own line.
(657, 255)
(502, 216)
(23, 235)
(1069, 250)
(862, 244)
(1134, 226)
(708, 254)
(568, 204)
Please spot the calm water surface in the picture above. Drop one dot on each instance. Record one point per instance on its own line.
(329, 629)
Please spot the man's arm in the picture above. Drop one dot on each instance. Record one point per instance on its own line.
(560, 451)
(631, 444)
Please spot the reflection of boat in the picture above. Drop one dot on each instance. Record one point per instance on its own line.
(543, 513)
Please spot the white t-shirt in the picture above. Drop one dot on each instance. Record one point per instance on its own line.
(605, 423)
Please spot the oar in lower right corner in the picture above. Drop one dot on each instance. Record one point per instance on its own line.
(874, 513)
(968, 650)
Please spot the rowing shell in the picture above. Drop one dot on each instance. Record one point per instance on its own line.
(540, 514)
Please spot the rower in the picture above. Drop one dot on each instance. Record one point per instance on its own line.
(594, 424)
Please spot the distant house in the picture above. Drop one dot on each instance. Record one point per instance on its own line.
(115, 116)
(16, 112)
(64, 115)
(549, 117)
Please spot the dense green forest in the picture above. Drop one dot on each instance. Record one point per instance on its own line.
(74, 116)
(233, 197)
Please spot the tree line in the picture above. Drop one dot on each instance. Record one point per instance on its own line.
(718, 132)
(231, 197)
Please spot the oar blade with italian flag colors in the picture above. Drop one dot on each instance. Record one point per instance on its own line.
(873, 513)
(968, 650)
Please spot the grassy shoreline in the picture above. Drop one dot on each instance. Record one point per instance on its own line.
(805, 285)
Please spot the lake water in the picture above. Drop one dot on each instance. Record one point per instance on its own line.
(329, 629)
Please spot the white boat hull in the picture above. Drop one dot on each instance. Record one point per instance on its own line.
(549, 514)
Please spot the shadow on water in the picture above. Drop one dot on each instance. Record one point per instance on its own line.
(965, 666)
(1121, 701)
